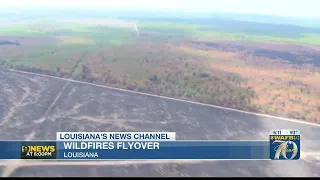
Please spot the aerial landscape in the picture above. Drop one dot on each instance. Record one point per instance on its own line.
(243, 65)
(207, 76)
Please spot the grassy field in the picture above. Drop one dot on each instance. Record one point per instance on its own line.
(166, 30)
(240, 32)
(226, 64)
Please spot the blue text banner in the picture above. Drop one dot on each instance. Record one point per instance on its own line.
(137, 150)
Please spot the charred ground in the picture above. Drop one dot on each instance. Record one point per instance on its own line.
(36, 107)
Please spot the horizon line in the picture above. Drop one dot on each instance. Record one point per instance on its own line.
(155, 10)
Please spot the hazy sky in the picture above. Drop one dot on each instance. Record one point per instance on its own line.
(302, 8)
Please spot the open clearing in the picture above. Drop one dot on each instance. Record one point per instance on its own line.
(35, 107)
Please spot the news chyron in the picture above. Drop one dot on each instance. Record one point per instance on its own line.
(38, 150)
(284, 144)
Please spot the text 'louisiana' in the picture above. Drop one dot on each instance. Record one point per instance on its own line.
(80, 155)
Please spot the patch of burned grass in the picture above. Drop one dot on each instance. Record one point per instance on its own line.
(75, 40)
(278, 92)
(29, 41)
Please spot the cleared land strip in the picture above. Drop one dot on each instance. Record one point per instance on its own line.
(146, 94)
